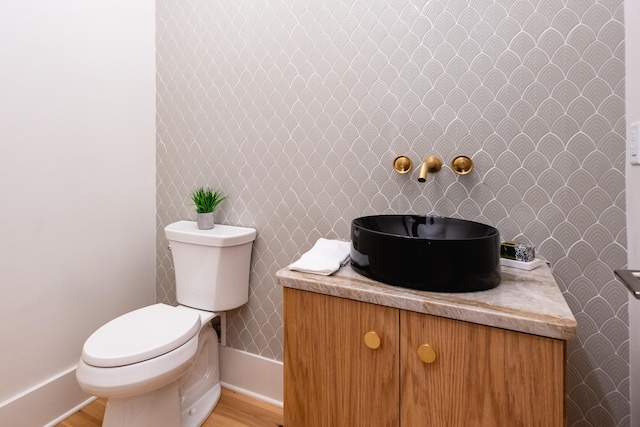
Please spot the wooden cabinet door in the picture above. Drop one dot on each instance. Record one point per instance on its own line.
(481, 376)
(331, 378)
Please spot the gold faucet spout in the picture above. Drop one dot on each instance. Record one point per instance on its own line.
(422, 175)
(431, 164)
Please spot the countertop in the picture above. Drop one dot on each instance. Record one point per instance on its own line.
(525, 301)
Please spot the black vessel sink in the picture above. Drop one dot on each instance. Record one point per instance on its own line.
(426, 252)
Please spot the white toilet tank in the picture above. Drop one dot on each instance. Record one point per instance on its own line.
(212, 266)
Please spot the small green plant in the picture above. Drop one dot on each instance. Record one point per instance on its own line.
(206, 199)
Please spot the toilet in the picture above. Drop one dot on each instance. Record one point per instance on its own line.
(158, 365)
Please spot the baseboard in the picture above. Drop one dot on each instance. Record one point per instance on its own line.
(52, 401)
(253, 375)
(45, 404)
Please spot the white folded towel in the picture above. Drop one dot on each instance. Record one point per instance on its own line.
(325, 257)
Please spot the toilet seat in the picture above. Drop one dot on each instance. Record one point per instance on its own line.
(140, 335)
(131, 380)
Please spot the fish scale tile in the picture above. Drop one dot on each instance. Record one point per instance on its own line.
(296, 109)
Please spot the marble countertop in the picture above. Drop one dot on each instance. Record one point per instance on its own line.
(525, 301)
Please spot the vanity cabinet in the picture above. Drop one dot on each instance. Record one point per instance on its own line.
(331, 377)
(413, 369)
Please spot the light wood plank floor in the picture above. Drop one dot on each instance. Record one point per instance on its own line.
(233, 410)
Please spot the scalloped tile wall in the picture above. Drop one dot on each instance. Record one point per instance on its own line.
(296, 110)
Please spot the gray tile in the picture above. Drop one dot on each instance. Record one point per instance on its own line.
(296, 110)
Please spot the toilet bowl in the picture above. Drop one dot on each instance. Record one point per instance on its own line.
(158, 365)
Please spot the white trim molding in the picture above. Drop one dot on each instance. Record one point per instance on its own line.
(253, 375)
(45, 404)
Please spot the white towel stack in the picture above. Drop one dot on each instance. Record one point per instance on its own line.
(325, 257)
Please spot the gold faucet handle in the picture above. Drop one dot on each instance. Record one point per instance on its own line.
(402, 164)
(462, 165)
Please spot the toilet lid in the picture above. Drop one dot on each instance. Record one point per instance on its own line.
(140, 335)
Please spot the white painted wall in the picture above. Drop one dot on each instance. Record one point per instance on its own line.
(77, 184)
(632, 84)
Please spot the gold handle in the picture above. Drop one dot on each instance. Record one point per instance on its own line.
(402, 164)
(462, 165)
(372, 340)
(426, 353)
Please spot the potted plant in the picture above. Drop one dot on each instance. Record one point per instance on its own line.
(206, 201)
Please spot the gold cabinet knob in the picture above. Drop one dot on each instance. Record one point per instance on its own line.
(426, 353)
(372, 340)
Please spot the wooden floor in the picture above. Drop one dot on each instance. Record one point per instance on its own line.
(233, 410)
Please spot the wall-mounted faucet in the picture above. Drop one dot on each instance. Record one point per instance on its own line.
(431, 164)
(461, 165)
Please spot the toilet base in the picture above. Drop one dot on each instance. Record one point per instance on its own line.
(200, 390)
(199, 411)
(158, 408)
